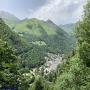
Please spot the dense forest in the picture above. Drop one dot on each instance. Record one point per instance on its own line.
(26, 45)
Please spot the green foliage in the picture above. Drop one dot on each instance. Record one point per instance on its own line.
(51, 77)
(71, 75)
(41, 84)
(83, 35)
(8, 67)
(8, 73)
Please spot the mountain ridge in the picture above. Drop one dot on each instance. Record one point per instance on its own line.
(41, 30)
(9, 18)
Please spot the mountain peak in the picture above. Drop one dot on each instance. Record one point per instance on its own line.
(49, 21)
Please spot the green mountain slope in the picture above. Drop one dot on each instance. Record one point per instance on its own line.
(69, 28)
(23, 50)
(10, 19)
(45, 34)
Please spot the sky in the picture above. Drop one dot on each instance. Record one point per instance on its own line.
(59, 11)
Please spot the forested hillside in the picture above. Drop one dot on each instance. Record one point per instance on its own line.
(45, 34)
(23, 50)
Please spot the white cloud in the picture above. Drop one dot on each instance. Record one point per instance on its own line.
(76, 1)
(30, 10)
(59, 11)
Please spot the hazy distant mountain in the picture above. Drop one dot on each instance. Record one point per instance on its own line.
(10, 19)
(69, 28)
